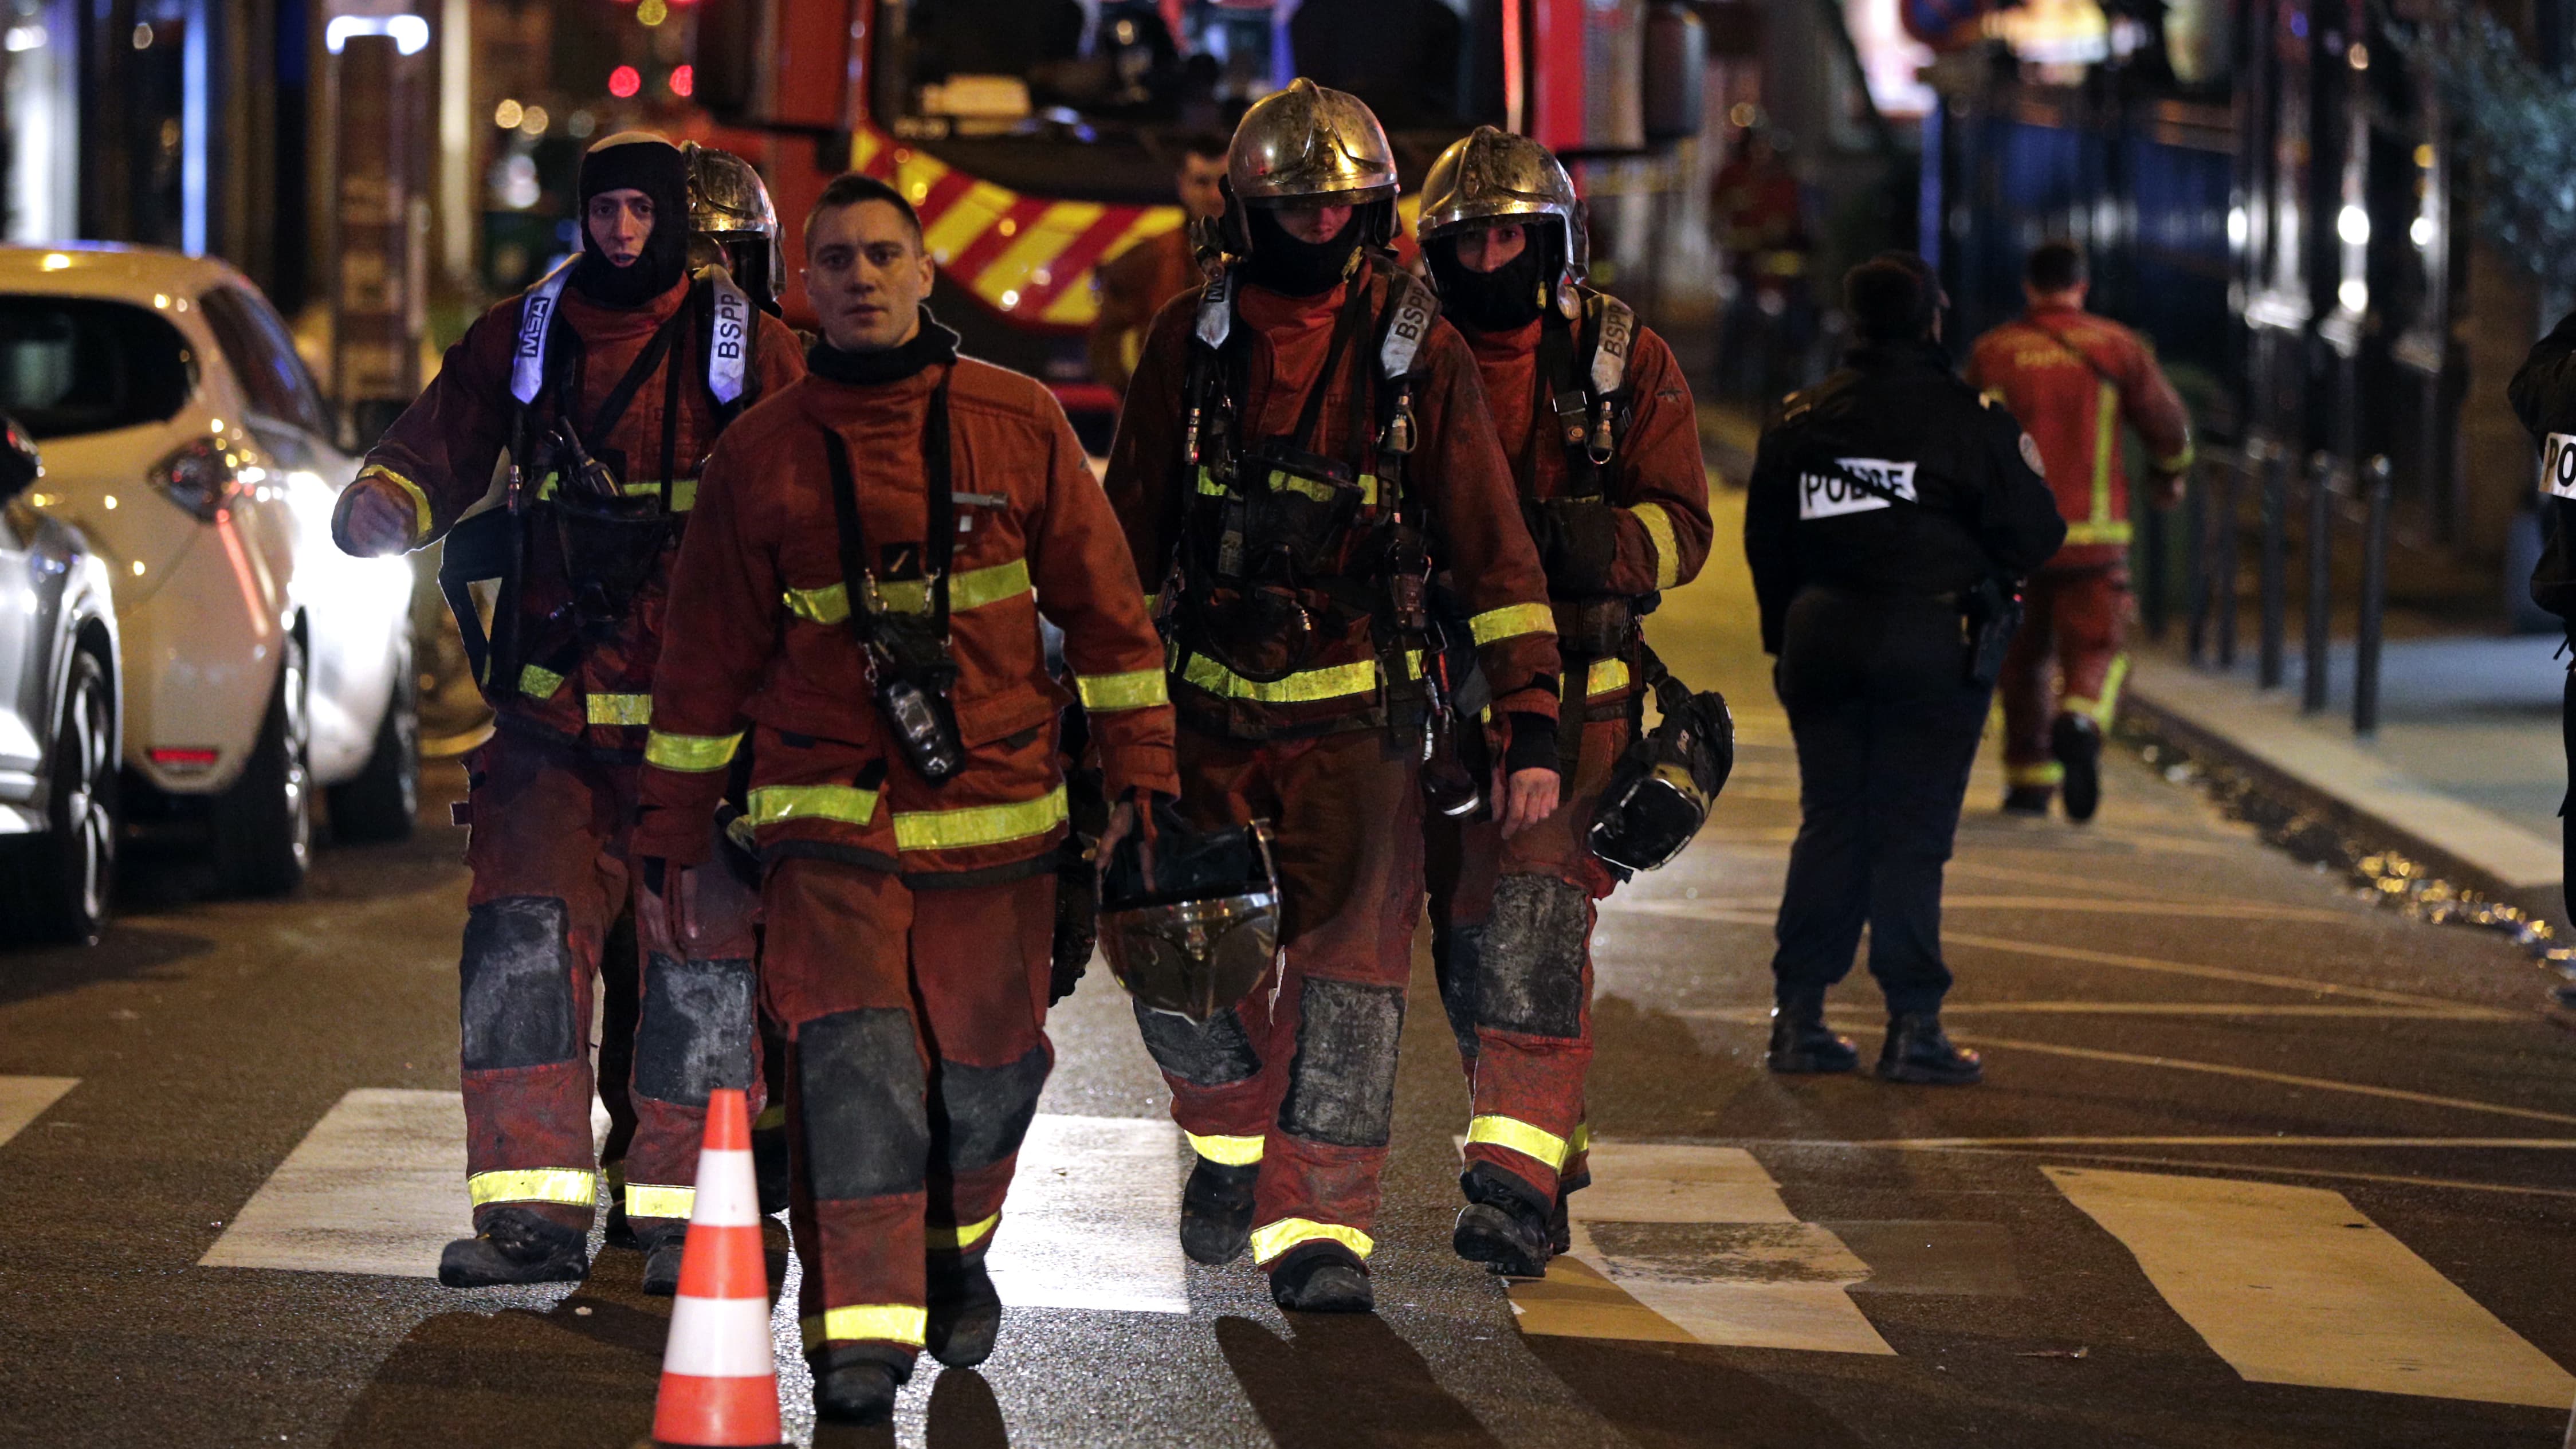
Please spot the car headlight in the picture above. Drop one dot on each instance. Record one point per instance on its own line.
(200, 476)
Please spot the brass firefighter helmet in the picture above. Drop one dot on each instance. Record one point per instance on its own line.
(1490, 175)
(1195, 936)
(732, 222)
(1311, 146)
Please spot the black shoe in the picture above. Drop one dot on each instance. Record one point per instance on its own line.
(2077, 744)
(516, 1246)
(1918, 1052)
(965, 1314)
(1801, 1042)
(2028, 799)
(1502, 1226)
(769, 1168)
(1560, 1230)
(1322, 1278)
(1216, 1211)
(662, 1253)
(855, 1383)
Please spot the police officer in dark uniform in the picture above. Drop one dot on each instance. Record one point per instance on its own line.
(1890, 515)
(2543, 394)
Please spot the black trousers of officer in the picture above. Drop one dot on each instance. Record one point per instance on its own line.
(1887, 727)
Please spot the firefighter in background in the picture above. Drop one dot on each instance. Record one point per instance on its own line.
(1304, 441)
(607, 383)
(1136, 283)
(1596, 421)
(864, 581)
(1759, 212)
(2073, 378)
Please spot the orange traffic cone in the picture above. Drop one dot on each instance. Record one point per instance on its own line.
(719, 1384)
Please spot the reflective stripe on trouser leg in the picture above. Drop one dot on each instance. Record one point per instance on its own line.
(1533, 1030)
(2092, 636)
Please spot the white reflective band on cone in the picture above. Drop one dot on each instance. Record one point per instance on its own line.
(719, 1338)
(726, 1196)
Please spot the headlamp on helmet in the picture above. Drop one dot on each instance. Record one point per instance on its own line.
(1201, 931)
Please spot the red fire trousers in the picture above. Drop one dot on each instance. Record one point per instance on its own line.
(916, 1027)
(550, 881)
(1302, 1081)
(2073, 637)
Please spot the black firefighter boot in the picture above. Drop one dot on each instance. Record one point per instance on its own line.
(1501, 1226)
(855, 1383)
(516, 1245)
(1322, 1277)
(1917, 1051)
(1216, 1211)
(965, 1311)
(1801, 1042)
(2077, 743)
(662, 1252)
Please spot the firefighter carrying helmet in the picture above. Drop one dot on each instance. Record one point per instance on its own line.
(1199, 935)
(731, 222)
(1491, 175)
(1309, 146)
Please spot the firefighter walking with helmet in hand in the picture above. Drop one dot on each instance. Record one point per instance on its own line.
(1304, 441)
(1597, 423)
(606, 384)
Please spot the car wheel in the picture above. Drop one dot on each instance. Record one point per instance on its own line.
(384, 799)
(70, 869)
(263, 825)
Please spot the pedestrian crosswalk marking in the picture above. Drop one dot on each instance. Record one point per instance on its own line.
(2294, 1285)
(1700, 1240)
(378, 1186)
(24, 1099)
(1093, 1218)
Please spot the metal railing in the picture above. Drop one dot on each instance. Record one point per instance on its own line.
(2214, 530)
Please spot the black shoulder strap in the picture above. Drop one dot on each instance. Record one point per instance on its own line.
(613, 407)
(939, 550)
(845, 521)
(2062, 340)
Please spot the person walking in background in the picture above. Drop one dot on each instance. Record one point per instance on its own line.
(2543, 394)
(1136, 283)
(1889, 505)
(2073, 378)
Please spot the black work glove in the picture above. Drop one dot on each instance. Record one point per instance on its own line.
(1578, 543)
(1077, 915)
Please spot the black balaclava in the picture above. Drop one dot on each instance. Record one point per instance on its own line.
(1505, 299)
(1296, 268)
(641, 161)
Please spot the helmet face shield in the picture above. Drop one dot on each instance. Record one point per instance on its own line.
(1660, 793)
(1202, 931)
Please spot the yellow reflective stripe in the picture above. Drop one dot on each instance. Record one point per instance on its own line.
(2106, 438)
(2099, 710)
(618, 709)
(972, 589)
(771, 1118)
(1273, 1239)
(1133, 690)
(1281, 482)
(867, 1323)
(1606, 676)
(1511, 621)
(1314, 684)
(828, 605)
(684, 491)
(958, 1239)
(419, 499)
(1581, 1141)
(2116, 531)
(578, 1186)
(1668, 550)
(978, 824)
(1535, 1143)
(645, 1201)
(2178, 461)
(539, 683)
(773, 804)
(1227, 1151)
(1208, 484)
(690, 754)
(2048, 773)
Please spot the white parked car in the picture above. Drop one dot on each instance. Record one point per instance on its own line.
(182, 435)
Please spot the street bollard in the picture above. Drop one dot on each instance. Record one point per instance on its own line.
(2222, 542)
(2195, 564)
(2273, 580)
(2320, 601)
(2374, 597)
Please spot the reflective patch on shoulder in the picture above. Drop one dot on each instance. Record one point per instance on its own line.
(2558, 465)
(2030, 455)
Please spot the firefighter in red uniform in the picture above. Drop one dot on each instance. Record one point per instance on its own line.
(607, 383)
(2072, 378)
(872, 554)
(1597, 423)
(1303, 442)
(1136, 283)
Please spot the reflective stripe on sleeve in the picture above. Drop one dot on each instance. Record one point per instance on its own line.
(644, 1200)
(1668, 550)
(690, 754)
(578, 1186)
(618, 709)
(867, 1323)
(1273, 1239)
(958, 1239)
(1134, 690)
(537, 682)
(775, 804)
(1227, 1151)
(419, 499)
(979, 824)
(2115, 531)
(1535, 1143)
(2178, 461)
(972, 589)
(1581, 1141)
(1511, 622)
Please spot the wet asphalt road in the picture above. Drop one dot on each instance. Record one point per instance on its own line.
(2158, 995)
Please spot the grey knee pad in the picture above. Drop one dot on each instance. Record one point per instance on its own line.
(516, 1003)
(1341, 1088)
(1214, 1055)
(859, 1088)
(1457, 958)
(695, 1035)
(979, 1114)
(1531, 979)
